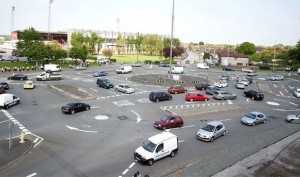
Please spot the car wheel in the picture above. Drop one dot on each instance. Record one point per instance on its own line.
(150, 162)
(172, 154)
(87, 108)
(212, 139)
(73, 111)
(156, 100)
(224, 133)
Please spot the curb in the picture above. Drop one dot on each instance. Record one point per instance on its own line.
(248, 165)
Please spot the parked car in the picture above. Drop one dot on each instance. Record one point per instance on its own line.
(7, 100)
(176, 89)
(253, 118)
(211, 131)
(28, 85)
(276, 78)
(296, 93)
(168, 120)
(176, 70)
(196, 96)
(246, 82)
(293, 118)
(2, 90)
(124, 70)
(18, 77)
(4, 85)
(51, 68)
(72, 108)
(159, 96)
(124, 88)
(100, 74)
(254, 95)
(226, 68)
(48, 76)
(104, 83)
(251, 74)
(221, 84)
(211, 90)
(224, 95)
(157, 147)
(201, 86)
(240, 85)
(202, 66)
(225, 77)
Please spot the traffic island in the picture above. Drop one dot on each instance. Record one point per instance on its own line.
(17, 151)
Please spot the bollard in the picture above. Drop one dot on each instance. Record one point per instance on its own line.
(22, 137)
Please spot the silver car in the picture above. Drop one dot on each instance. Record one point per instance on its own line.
(211, 131)
(224, 95)
(293, 118)
(124, 88)
(253, 118)
(240, 85)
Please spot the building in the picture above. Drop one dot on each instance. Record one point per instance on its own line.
(232, 58)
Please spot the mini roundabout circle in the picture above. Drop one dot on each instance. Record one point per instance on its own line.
(101, 117)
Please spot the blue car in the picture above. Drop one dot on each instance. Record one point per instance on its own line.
(100, 74)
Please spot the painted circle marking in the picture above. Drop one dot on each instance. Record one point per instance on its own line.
(101, 117)
(273, 103)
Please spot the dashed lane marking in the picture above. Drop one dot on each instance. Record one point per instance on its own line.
(125, 171)
(32, 175)
(122, 94)
(229, 102)
(281, 93)
(94, 90)
(4, 121)
(123, 103)
(131, 165)
(292, 103)
(79, 130)
(275, 86)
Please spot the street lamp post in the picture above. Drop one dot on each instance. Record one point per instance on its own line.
(172, 33)
(49, 18)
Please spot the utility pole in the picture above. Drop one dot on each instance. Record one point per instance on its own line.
(172, 33)
(49, 18)
(12, 25)
(274, 60)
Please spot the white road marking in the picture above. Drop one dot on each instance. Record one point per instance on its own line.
(180, 141)
(281, 93)
(293, 103)
(101, 117)
(4, 121)
(131, 165)
(31, 175)
(274, 85)
(125, 171)
(272, 103)
(94, 90)
(188, 126)
(122, 103)
(286, 110)
(224, 120)
(138, 117)
(286, 90)
(77, 129)
(229, 102)
(95, 107)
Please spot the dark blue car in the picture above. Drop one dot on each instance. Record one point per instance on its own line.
(100, 74)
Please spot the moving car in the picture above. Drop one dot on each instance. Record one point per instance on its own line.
(124, 70)
(157, 147)
(246, 82)
(221, 84)
(48, 76)
(159, 96)
(254, 95)
(176, 70)
(124, 88)
(276, 78)
(196, 96)
(80, 67)
(201, 86)
(72, 108)
(224, 95)
(211, 131)
(104, 83)
(293, 118)
(253, 118)
(7, 100)
(176, 89)
(52, 68)
(202, 66)
(28, 85)
(226, 68)
(168, 120)
(240, 85)
(296, 93)
(4, 85)
(100, 74)
(20, 77)
(248, 70)
(211, 90)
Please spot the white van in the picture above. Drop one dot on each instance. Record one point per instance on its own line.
(157, 147)
(298, 71)
(124, 70)
(52, 68)
(202, 66)
(177, 70)
(7, 100)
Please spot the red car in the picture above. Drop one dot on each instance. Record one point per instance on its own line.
(168, 121)
(196, 96)
(176, 89)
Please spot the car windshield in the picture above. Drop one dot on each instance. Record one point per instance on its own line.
(251, 115)
(209, 128)
(165, 117)
(149, 146)
(125, 86)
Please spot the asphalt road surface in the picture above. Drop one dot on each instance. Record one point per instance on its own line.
(101, 142)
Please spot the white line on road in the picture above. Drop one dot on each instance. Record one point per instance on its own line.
(138, 117)
(125, 171)
(224, 120)
(77, 129)
(180, 141)
(31, 175)
(4, 121)
(229, 102)
(131, 165)
(94, 90)
(274, 85)
(281, 93)
(286, 110)
(293, 103)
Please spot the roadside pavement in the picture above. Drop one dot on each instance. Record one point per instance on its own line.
(17, 151)
(281, 159)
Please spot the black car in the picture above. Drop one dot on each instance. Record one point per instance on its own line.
(164, 65)
(226, 68)
(159, 96)
(4, 85)
(104, 83)
(211, 90)
(255, 95)
(201, 86)
(72, 108)
(21, 77)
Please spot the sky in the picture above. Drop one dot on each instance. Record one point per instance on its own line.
(263, 22)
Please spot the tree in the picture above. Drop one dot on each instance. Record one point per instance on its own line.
(77, 40)
(80, 53)
(92, 41)
(120, 44)
(246, 48)
(99, 43)
(201, 43)
(176, 52)
(206, 55)
(167, 42)
(107, 53)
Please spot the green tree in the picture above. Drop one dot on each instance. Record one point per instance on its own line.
(79, 53)
(107, 53)
(92, 41)
(120, 44)
(77, 40)
(99, 43)
(167, 42)
(246, 48)
(206, 55)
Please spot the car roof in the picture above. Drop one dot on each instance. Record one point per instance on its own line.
(215, 123)
(159, 138)
(255, 113)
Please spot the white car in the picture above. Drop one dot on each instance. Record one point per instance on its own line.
(221, 84)
(202, 66)
(7, 100)
(297, 93)
(211, 131)
(28, 85)
(292, 118)
(124, 88)
(244, 81)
